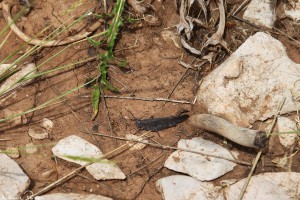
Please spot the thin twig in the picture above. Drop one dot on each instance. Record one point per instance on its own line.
(283, 33)
(147, 180)
(144, 99)
(174, 148)
(239, 8)
(152, 161)
(107, 111)
(258, 155)
(182, 77)
(6, 139)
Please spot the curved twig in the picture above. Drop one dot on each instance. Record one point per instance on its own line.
(242, 136)
(7, 15)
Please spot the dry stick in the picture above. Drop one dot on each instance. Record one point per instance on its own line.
(257, 27)
(7, 15)
(258, 155)
(107, 112)
(174, 148)
(277, 31)
(285, 34)
(239, 8)
(6, 139)
(182, 77)
(144, 99)
(71, 174)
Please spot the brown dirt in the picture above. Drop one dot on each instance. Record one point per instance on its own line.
(153, 72)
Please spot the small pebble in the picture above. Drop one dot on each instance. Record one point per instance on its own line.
(31, 148)
(12, 152)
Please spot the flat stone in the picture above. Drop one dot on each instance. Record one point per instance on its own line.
(135, 145)
(38, 134)
(261, 13)
(179, 187)
(251, 83)
(80, 148)
(105, 171)
(275, 186)
(13, 181)
(200, 167)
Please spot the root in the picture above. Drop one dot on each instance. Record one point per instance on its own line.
(7, 15)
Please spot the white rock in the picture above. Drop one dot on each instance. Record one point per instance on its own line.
(47, 124)
(105, 171)
(137, 146)
(12, 152)
(273, 186)
(266, 77)
(13, 181)
(198, 166)
(293, 12)
(31, 148)
(39, 134)
(261, 13)
(179, 187)
(78, 147)
(71, 196)
(286, 125)
(29, 69)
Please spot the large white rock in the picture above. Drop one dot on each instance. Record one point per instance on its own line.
(200, 167)
(78, 147)
(71, 196)
(179, 187)
(13, 181)
(261, 13)
(286, 125)
(252, 82)
(269, 186)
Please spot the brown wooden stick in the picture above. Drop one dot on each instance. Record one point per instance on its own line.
(7, 15)
(242, 136)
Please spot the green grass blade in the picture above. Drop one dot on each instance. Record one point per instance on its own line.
(95, 100)
(47, 103)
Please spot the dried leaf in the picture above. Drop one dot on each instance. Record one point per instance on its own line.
(183, 24)
(216, 38)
